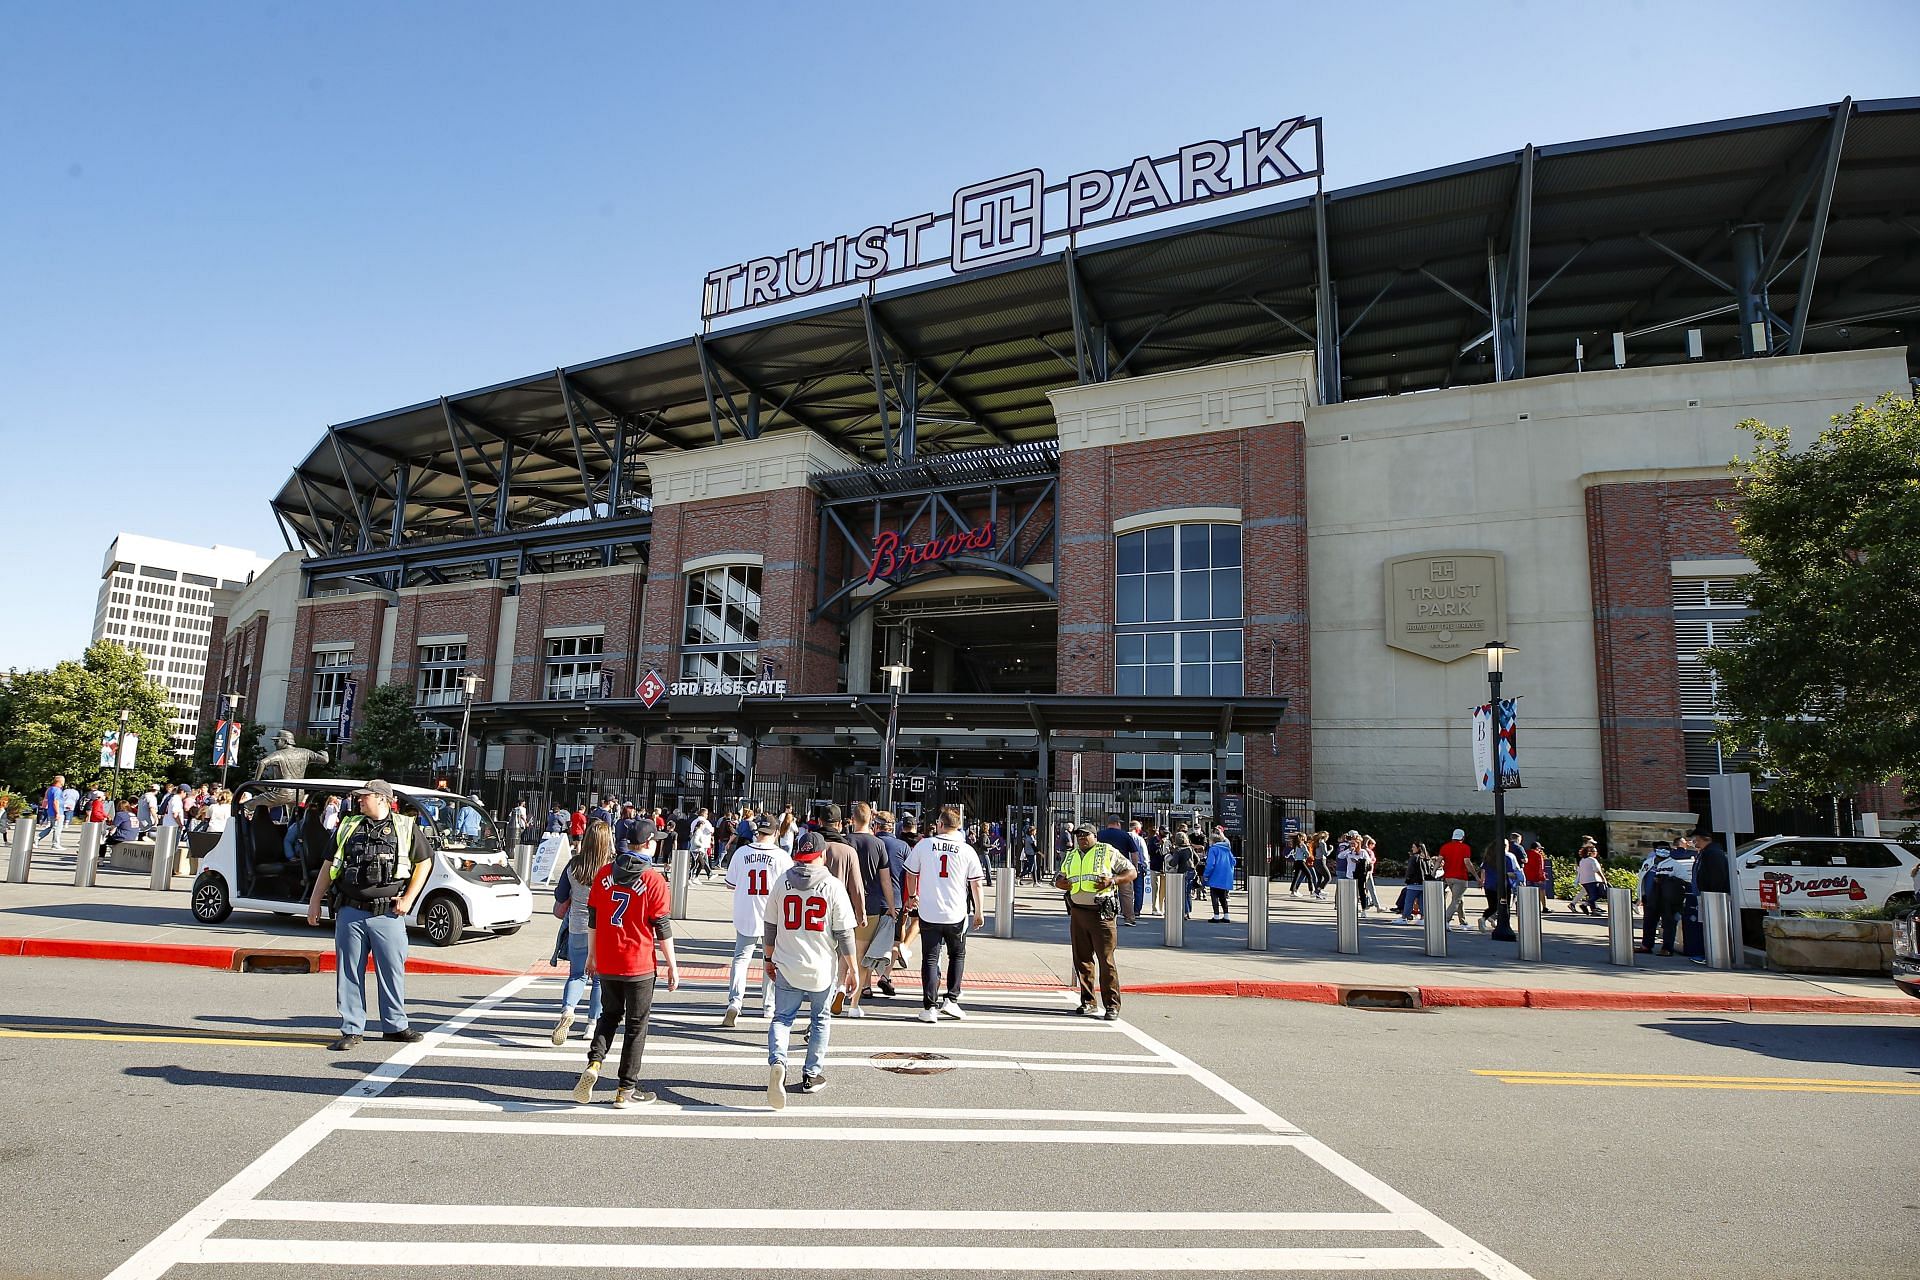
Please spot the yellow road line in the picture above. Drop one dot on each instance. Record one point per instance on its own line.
(148, 1037)
(1750, 1084)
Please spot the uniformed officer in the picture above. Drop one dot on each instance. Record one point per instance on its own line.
(380, 863)
(1091, 873)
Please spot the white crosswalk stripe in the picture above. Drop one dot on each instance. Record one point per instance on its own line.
(484, 1083)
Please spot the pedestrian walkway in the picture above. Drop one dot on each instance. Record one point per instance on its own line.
(1022, 1140)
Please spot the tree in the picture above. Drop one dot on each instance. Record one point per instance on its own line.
(52, 721)
(390, 739)
(1824, 687)
(252, 751)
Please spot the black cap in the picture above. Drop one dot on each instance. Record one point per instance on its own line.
(642, 831)
(830, 814)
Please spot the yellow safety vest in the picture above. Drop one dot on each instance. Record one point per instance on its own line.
(1083, 867)
(402, 838)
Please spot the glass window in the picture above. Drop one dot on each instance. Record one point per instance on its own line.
(440, 669)
(329, 690)
(573, 667)
(720, 635)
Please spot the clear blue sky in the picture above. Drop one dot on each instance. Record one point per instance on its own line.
(227, 226)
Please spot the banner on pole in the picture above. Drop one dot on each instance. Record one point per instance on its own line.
(109, 748)
(1507, 745)
(129, 749)
(348, 696)
(226, 744)
(1483, 747)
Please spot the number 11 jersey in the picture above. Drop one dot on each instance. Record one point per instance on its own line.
(752, 873)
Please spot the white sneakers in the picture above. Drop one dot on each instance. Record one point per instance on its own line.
(583, 1088)
(727, 1019)
(854, 1011)
(953, 1010)
(777, 1086)
(561, 1029)
(928, 1015)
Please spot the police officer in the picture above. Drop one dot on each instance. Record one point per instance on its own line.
(380, 863)
(1090, 874)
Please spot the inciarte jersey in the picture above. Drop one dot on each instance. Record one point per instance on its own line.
(945, 865)
(752, 874)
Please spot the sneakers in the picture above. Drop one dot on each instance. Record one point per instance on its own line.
(813, 1084)
(840, 1001)
(777, 1086)
(583, 1087)
(727, 1019)
(952, 1009)
(928, 1015)
(855, 1011)
(1484, 926)
(561, 1028)
(1112, 1014)
(344, 1043)
(1086, 1010)
(406, 1035)
(625, 1097)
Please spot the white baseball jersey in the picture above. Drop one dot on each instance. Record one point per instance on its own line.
(811, 915)
(945, 865)
(752, 874)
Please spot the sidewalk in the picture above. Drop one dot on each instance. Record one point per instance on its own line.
(121, 918)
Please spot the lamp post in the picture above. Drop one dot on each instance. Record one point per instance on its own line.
(468, 683)
(897, 673)
(1496, 652)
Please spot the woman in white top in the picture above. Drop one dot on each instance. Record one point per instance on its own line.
(218, 810)
(789, 831)
(1592, 878)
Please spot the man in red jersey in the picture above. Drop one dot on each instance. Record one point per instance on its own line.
(628, 915)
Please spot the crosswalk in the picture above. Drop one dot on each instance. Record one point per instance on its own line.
(1022, 1140)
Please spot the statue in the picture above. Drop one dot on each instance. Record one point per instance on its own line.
(285, 763)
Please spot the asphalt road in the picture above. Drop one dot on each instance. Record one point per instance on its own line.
(229, 1148)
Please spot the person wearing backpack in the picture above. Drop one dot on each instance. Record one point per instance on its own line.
(380, 863)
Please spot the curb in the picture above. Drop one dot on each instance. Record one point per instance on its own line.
(231, 959)
(1545, 998)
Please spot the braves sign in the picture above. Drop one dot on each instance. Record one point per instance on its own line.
(1787, 885)
(891, 557)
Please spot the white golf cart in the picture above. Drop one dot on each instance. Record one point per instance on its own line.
(269, 856)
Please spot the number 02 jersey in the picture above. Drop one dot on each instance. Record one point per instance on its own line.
(808, 917)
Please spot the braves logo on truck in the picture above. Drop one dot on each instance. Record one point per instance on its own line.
(1824, 887)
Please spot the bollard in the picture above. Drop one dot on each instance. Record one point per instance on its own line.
(1256, 913)
(1620, 926)
(1528, 900)
(166, 855)
(1173, 920)
(87, 858)
(677, 870)
(20, 862)
(1346, 916)
(523, 862)
(1433, 914)
(1713, 930)
(1003, 902)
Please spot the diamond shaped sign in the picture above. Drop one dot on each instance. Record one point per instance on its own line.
(650, 689)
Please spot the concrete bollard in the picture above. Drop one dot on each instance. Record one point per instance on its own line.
(1620, 926)
(678, 869)
(1003, 901)
(1433, 914)
(87, 858)
(1346, 916)
(1256, 913)
(1713, 930)
(20, 859)
(1173, 922)
(1528, 901)
(166, 857)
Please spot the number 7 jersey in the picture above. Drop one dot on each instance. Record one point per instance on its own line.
(751, 874)
(810, 914)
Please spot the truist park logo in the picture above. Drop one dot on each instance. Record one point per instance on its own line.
(1006, 219)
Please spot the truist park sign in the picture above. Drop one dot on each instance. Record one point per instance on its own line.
(1006, 219)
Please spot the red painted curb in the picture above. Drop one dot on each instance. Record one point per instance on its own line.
(1305, 992)
(1472, 998)
(1546, 998)
(206, 957)
(1908, 1007)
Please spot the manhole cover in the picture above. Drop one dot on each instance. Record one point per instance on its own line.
(912, 1064)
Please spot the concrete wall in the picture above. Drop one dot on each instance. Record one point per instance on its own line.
(1464, 469)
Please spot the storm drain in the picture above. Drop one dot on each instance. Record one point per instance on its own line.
(1380, 997)
(276, 962)
(912, 1064)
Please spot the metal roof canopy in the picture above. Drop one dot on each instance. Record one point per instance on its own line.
(843, 720)
(1488, 269)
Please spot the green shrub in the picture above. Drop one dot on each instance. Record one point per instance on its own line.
(1567, 886)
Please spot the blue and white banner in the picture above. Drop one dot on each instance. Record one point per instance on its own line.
(347, 697)
(1483, 747)
(1496, 738)
(1507, 745)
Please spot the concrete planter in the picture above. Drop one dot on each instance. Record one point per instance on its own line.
(1798, 945)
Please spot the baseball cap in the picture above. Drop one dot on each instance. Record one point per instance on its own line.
(830, 813)
(1535, 844)
(808, 847)
(1086, 829)
(763, 823)
(379, 787)
(642, 831)
(1459, 834)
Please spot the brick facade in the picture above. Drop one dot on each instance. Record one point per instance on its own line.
(1262, 471)
(470, 611)
(356, 618)
(1635, 531)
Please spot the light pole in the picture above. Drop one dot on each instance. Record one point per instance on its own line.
(468, 683)
(231, 747)
(897, 673)
(1496, 652)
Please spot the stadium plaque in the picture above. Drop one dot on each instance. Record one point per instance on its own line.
(1445, 604)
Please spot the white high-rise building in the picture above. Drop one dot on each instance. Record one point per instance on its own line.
(158, 597)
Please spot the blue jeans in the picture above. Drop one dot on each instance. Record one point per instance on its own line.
(577, 978)
(1410, 899)
(744, 945)
(1141, 884)
(52, 829)
(355, 932)
(786, 1006)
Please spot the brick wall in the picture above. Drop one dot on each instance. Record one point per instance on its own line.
(608, 598)
(473, 612)
(356, 619)
(1261, 470)
(1634, 533)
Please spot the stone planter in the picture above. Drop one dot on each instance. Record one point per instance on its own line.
(1799, 945)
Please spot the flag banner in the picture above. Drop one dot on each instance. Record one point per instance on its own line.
(1507, 745)
(1483, 747)
(220, 760)
(109, 748)
(348, 696)
(129, 749)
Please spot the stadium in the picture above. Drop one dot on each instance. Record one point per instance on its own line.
(1223, 507)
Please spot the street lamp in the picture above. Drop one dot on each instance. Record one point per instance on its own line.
(1496, 652)
(468, 683)
(897, 673)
